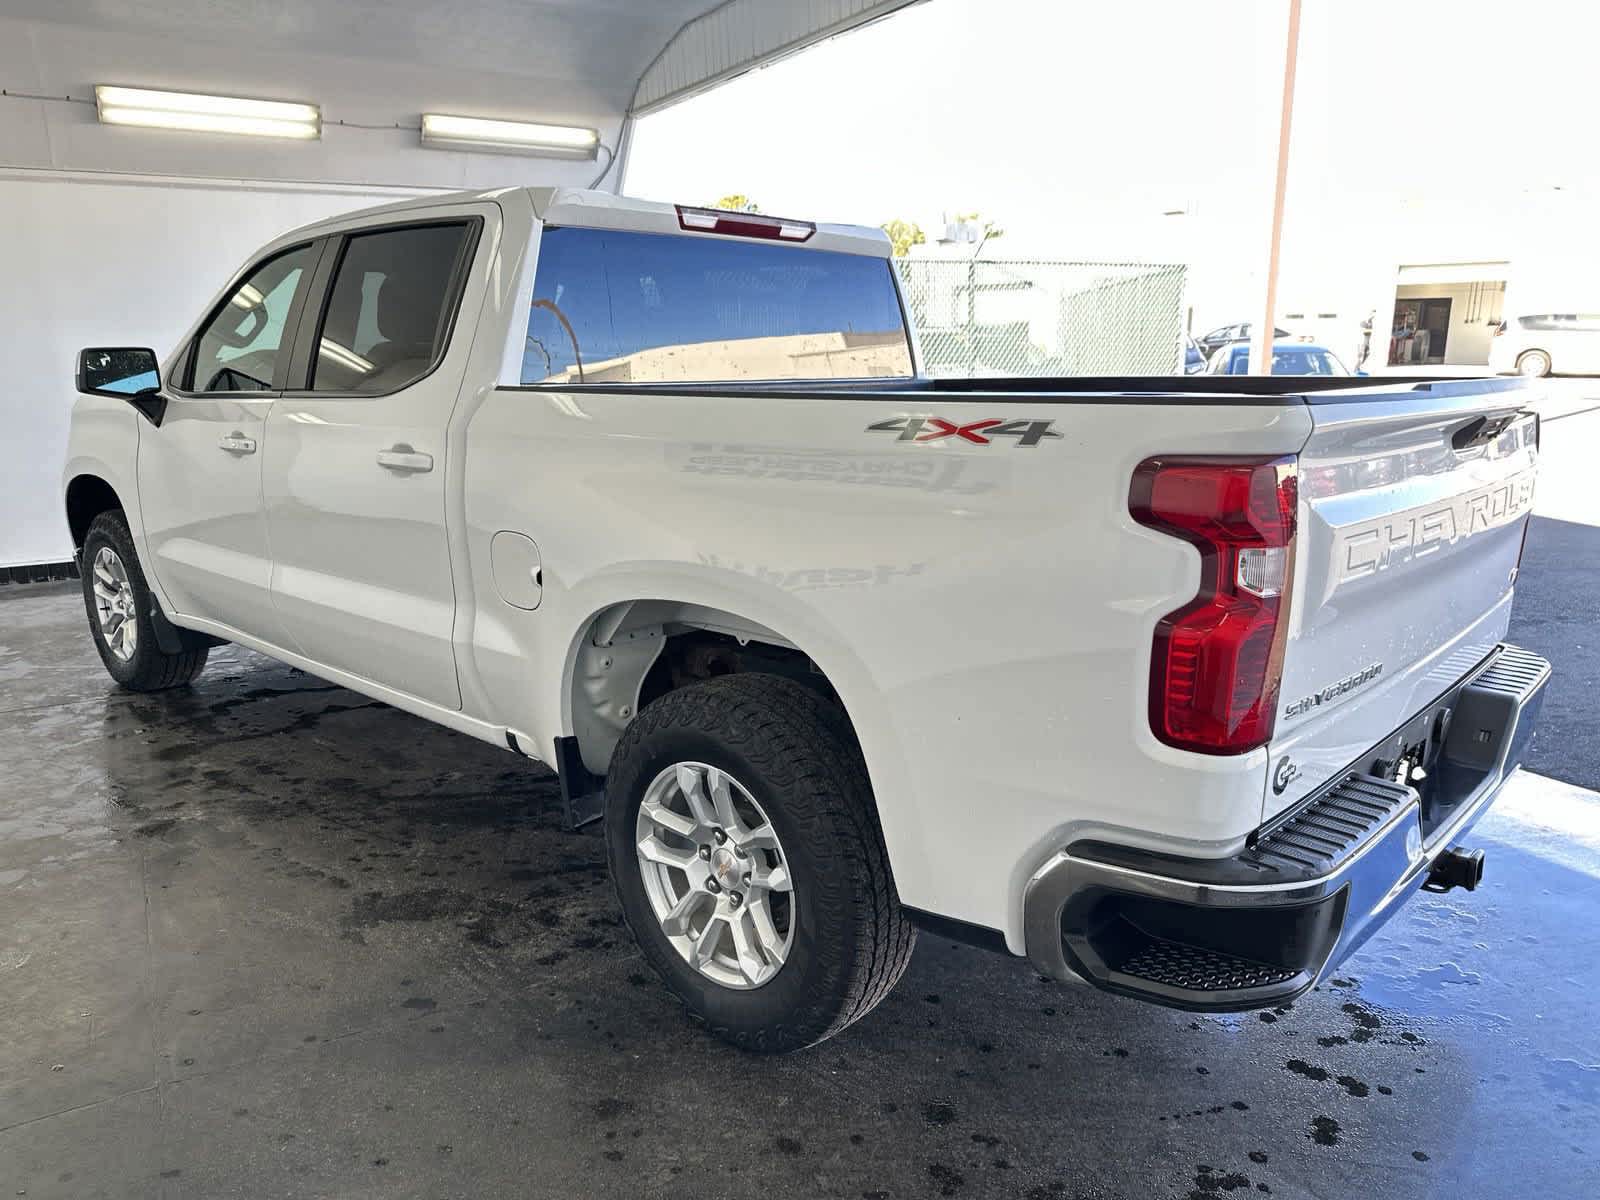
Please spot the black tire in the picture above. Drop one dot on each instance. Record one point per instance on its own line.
(794, 752)
(149, 668)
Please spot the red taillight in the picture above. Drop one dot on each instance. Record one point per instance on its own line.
(1216, 661)
(741, 224)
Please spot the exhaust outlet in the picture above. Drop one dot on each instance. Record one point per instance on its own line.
(1455, 868)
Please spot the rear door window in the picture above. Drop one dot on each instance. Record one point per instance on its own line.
(622, 307)
(388, 314)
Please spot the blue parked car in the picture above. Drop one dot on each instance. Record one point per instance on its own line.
(1288, 358)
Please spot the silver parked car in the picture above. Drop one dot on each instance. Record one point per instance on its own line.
(1546, 344)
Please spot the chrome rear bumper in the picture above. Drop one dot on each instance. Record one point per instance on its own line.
(1262, 927)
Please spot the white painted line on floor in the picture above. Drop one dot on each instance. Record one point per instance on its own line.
(1562, 819)
(1567, 489)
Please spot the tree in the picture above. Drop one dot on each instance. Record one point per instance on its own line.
(737, 202)
(903, 235)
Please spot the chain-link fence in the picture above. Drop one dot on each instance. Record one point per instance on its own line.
(1020, 317)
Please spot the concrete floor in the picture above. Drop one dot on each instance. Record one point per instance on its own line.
(1557, 611)
(265, 937)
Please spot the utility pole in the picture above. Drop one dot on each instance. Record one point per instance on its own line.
(1261, 335)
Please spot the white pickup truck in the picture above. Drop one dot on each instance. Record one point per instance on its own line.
(1177, 686)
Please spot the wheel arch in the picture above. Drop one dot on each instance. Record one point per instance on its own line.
(617, 646)
(634, 633)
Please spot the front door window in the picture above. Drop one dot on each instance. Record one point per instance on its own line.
(244, 347)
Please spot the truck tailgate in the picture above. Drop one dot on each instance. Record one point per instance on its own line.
(1413, 507)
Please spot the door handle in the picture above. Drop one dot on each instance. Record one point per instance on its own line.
(402, 457)
(237, 443)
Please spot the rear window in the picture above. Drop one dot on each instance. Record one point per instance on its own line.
(1305, 362)
(619, 307)
(1290, 362)
(1582, 322)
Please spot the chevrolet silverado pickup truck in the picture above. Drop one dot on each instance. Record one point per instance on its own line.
(1176, 686)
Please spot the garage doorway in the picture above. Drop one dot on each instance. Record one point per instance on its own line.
(1421, 328)
(1435, 323)
(1446, 313)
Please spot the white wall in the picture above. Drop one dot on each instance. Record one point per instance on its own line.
(110, 260)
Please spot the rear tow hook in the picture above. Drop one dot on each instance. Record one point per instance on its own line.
(1455, 868)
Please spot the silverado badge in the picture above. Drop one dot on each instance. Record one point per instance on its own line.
(1334, 690)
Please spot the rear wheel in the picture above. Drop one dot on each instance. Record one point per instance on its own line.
(1535, 364)
(744, 846)
(119, 604)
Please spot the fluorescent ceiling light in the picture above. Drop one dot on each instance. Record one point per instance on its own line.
(206, 114)
(513, 137)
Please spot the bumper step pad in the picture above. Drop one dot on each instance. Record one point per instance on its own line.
(1314, 839)
(1305, 843)
(1196, 969)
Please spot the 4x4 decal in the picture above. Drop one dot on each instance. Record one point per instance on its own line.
(981, 433)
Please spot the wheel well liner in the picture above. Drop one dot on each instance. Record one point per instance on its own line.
(634, 652)
(87, 497)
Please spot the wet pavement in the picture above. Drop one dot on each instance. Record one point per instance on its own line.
(264, 937)
(1557, 610)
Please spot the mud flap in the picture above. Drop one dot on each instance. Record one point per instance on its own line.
(582, 792)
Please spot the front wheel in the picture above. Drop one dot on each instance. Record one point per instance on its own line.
(744, 845)
(120, 612)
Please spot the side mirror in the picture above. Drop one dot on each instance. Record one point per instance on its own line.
(121, 373)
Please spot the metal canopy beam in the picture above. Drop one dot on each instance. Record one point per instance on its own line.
(739, 35)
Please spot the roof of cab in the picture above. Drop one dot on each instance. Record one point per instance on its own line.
(603, 210)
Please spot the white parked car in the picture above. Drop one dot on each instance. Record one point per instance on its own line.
(1546, 344)
(1177, 687)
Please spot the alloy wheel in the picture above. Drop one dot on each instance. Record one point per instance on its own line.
(716, 875)
(114, 605)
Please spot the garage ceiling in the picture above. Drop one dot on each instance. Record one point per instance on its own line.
(597, 41)
(605, 45)
(373, 67)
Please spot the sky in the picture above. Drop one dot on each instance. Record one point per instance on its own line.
(1076, 126)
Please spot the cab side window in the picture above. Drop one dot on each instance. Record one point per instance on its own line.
(244, 347)
(389, 310)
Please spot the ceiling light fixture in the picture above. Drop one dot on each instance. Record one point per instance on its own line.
(508, 137)
(199, 113)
